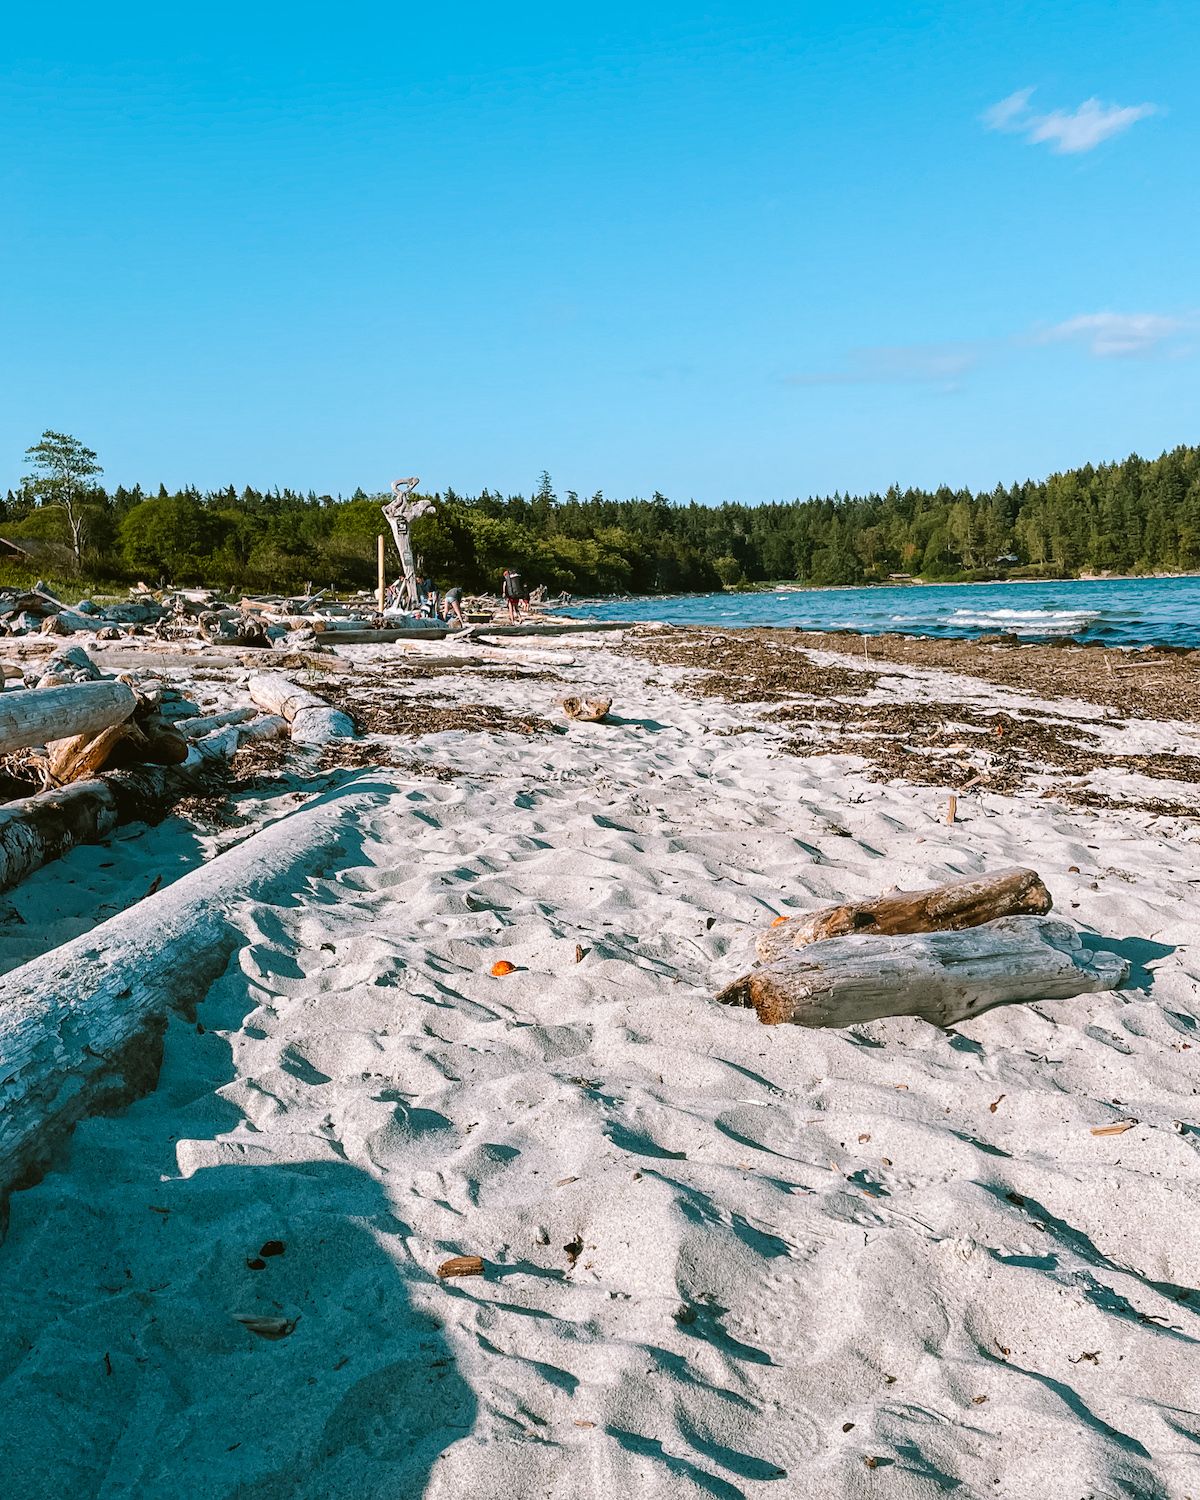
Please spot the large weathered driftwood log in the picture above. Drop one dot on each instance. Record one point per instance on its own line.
(35, 830)
(37, 715)
(943, 977)
(80, 1027)
(313, 721)
(960, 903)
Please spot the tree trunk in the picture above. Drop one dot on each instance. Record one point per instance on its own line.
(81, 1027)
(942, 977)
(959, 903)
(35, 716)
(312, 720)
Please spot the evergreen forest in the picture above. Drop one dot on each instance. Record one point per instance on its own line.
(1136, 516)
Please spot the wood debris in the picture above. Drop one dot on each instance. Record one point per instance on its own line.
(461, 1265)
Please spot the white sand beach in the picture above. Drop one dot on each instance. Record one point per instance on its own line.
(721, 1259)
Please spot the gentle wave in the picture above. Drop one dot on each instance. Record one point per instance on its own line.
(1028, 621)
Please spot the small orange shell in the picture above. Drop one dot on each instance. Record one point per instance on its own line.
(779, 921)
(503, 967)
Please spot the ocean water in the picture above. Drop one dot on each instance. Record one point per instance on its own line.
(1115, 611)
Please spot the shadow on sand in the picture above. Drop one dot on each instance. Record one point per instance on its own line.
(124, 1368)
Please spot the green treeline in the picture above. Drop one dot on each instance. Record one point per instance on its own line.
(1134, 516)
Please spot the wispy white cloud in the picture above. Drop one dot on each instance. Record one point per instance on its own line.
(945, 366)
(1109, 335)
(1008, 114)
(1066, 132)
(897, 364)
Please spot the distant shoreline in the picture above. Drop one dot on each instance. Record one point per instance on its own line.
(791, 585)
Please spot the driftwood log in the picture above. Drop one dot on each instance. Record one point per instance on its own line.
(942, 977)
(35, 830)
(958, 904)
(224, 741)
(201, 724)
(586, 710)
(129, 744)
(81, 1027)
(313, 721)
(36, 716)
(85, 755)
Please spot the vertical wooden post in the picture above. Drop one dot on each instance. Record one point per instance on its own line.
(381, 589)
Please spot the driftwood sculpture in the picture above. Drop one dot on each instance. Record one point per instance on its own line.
(587, 710)
(958, 904)
(942, 977)
(400, 513)
(312, 720)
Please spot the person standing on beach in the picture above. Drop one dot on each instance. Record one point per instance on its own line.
(512, 590)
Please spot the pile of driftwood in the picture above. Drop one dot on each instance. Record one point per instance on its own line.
(944, 954)
(37, 611)
(311, 621)
(103, 750)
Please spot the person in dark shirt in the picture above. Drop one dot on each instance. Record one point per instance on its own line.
(427, 596)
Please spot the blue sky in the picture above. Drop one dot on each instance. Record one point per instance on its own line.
(727, 251)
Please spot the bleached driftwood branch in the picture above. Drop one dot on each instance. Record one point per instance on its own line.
(36, 716)
(943, 977)
(957, 904)
(313, 721)
(80, 1027)
(201, 724)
